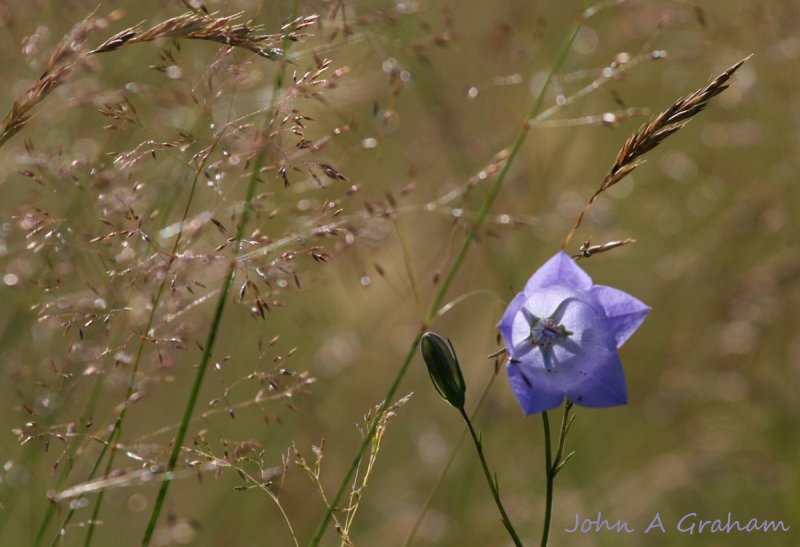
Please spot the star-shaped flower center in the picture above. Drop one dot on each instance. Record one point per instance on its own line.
(545, 332)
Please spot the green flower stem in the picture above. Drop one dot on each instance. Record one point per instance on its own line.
(548, 468)
(566, 420)
(553, 465)
(451, 274)
(429, 500)
(492, 483)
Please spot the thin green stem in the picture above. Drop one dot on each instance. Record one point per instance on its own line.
(548, 468)
(451, 274)
(562, 436)
(365, 442)
(492, 484)
(501, 177)
(440, 480)
(116, 432)
(73, 447)
(206, 358)
(217, 318)
(553, 465)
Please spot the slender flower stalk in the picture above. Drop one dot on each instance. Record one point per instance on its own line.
(445, 371)
(435, 488)
(553, 464)
(548, 469)
(492, 483)
(454, 268)
(566, 423)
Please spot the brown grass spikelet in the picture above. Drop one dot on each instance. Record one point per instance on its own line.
(67, 56)
(668, 122)
(70, 53)
(214, 28)
(653, 133)
(588, 250)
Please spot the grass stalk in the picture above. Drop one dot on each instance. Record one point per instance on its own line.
(114, 436)
(71, 450)
(206, 357)
(451, 274)
(216, 320)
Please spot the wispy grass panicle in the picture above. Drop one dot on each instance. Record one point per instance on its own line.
(381, 414)
(152, 266)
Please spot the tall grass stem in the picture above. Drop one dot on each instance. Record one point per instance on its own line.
(456, 266)
(216, 320)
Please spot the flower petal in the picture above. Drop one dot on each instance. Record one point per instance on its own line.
(601, 385)
(504, 326)
(533, 395)
(584, 367)
(578, 314)
(623, 312)
(562, 336)
(561, 270)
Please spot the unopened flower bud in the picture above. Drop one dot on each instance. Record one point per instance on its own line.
(440, 357)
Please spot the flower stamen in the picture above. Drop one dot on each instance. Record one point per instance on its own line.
(545, 332)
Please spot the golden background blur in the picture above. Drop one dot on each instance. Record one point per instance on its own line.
(430, 92)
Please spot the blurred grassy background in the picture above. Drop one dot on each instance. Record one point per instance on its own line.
(712, 422)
